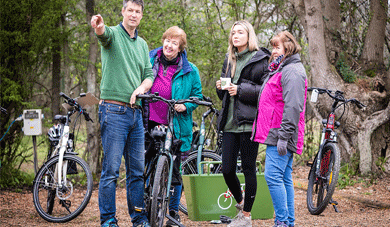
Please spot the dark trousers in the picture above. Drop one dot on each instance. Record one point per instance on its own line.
(232, 143)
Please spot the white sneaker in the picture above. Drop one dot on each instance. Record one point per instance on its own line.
(241, 221)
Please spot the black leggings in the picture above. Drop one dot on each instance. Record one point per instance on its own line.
(232, 143)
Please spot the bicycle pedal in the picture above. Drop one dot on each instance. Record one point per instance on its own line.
(309, 164)
(65, 203)
(139, 209)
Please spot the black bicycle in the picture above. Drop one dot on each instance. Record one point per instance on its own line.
(325, 169)
(162, 146)
(63, 185)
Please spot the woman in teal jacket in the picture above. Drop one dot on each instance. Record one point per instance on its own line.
(175, 78)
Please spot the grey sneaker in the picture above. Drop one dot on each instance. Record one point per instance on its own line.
(241, 221)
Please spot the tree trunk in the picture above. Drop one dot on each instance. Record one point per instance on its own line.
(332, 26)
(56, 75)
(375, 37)
(371, 123)
(93, 143)
(67, 66)
(299, 7)
(322, 73)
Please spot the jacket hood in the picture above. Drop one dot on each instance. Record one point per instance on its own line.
(183, 55)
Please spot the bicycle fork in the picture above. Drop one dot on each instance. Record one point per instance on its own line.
(62, 168)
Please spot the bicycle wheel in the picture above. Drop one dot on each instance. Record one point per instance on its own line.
(320, 188)
(62, 204)
(159, 194)
(189, 167)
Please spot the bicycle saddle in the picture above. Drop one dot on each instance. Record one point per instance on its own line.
(61, 118)
(158, 134)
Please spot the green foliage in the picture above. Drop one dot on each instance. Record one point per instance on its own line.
(370, 72)
(381, 162)
(11, 178)
(349, 172)
(346, 176)
(343, 67)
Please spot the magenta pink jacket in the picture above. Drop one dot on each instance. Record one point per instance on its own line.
(281, 109)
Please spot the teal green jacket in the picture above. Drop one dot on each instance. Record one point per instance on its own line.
(185, 84)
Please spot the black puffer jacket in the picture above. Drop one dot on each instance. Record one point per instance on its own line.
(248, 89)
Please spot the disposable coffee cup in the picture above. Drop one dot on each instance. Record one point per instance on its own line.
(225, 83)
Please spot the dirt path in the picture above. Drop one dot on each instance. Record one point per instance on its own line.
(359, 206)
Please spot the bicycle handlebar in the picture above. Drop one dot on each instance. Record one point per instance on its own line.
(338, 96)
(157, 97)
(73, 102)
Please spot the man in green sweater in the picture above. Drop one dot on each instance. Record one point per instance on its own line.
(126, 72)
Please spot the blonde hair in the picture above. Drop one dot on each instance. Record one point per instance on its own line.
(290, 44)
(176, 32)
(252, 43)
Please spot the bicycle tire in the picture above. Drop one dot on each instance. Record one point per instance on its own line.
(148, 189)
(159, 199)
(76, 193)
(320, 190)
(189, 167)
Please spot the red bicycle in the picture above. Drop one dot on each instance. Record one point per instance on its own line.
(325, 169)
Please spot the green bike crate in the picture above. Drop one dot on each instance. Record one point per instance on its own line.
(207, 197)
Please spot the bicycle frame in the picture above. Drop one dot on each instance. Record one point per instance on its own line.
(166, 151)
(202, 134)
(60, 150)
(328, 135)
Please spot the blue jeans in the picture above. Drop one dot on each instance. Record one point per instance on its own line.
(278, 174)
(174, 200)
(122, 134)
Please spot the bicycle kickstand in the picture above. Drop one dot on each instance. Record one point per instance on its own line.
(174, 220)
(334, 204)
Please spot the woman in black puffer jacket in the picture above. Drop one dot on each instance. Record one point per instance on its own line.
(246, 65)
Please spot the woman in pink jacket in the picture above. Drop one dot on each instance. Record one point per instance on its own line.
(280, 122)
